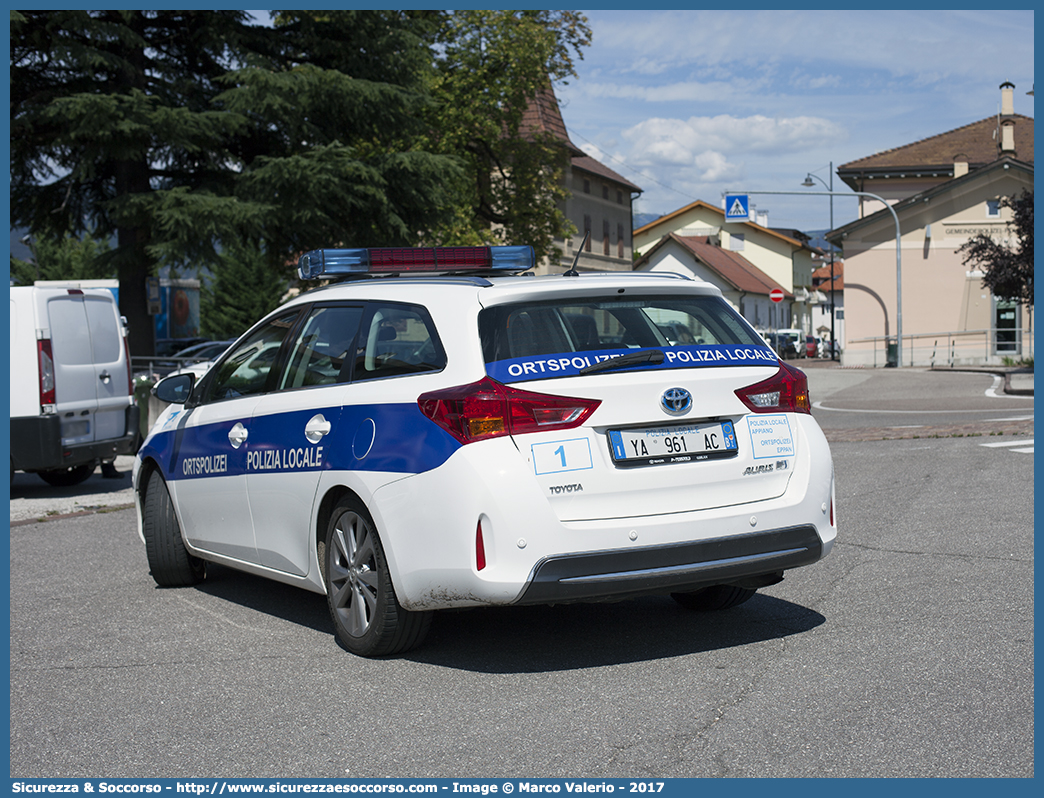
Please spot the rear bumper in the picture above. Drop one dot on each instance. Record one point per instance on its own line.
(36, 443)
(673, 568)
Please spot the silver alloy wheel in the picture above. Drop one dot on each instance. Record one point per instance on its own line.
(353, 573)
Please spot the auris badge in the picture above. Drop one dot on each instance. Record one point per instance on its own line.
(676, 401)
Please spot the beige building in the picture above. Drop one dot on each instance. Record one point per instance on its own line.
(784, 260)
(600, 201)
(944, 190)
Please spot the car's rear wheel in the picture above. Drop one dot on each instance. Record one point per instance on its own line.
(367, 616)
(717, 597)
(170, 563)
(67, 477)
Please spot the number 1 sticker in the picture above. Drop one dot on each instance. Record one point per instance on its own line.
(558, 456)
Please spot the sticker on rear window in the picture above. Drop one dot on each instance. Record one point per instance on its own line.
(770, 436)
(569, 364)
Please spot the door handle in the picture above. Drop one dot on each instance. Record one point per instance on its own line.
(316, 428)
(237, 435)
(104, 376)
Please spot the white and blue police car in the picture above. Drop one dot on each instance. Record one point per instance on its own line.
(441, 429)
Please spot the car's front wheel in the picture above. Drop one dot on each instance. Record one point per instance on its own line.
(170, 563)
(367, 616)
(716, 597)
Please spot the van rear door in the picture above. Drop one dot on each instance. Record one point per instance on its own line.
(90, 365)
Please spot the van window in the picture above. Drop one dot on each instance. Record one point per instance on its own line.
(70, 343)
(105, 334)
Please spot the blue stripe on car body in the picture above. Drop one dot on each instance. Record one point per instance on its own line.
(398, 439)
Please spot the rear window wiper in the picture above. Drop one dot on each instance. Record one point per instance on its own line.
(654, 356)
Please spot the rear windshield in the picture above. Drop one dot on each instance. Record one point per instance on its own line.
(537, 340)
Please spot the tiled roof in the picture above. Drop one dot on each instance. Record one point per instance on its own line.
(821, 277)
(543, 116)
(589, 164)
(732, 267)
(978, 143)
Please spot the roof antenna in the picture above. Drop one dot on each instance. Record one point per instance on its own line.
(572, 269)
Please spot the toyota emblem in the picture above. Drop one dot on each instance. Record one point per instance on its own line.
(676, 401)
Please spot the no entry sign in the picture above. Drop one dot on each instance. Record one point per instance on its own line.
(776, 294)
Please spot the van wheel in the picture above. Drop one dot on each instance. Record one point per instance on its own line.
(716, 597)
(367, 617)
(170, 563)
(67, 477)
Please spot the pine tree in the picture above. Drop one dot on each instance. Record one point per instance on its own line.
(185, 133)
(68, 258)
(242, 289)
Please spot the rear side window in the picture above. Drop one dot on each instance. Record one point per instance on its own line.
(394, 340)
(547, 339)
(324, 348)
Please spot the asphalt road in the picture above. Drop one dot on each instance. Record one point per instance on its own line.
(908, 652)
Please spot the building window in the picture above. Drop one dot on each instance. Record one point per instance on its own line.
(587, 186)
(619, 198)
(992, 209)
(619, 240)
(736, 241)
(605, 236)
(587, 232)
(605, 192)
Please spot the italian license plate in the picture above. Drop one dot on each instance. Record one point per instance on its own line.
(673, 444)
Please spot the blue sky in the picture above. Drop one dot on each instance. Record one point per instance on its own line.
(688, 104)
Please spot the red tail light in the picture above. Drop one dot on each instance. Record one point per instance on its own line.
(489, 409)
(784, 392)
(43, 348)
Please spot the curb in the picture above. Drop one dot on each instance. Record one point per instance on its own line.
(998, 372)
(110, 508)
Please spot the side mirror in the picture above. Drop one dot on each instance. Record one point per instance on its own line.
(175, 390)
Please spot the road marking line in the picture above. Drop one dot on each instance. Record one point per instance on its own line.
(1007, 443)
(1022, 451)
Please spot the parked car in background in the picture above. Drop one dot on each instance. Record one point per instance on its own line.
(787, 343)
(71, 393)
(166, 361)
(811, 346)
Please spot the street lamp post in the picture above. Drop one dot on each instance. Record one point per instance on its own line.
(809, 184)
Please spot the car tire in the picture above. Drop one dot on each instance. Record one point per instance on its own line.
(67, 477)
(367, 616)
(716, 597)
(170, 563)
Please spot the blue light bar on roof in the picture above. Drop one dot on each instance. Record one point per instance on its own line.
(331, 262)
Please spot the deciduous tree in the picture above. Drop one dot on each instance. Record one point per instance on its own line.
(1008, 268)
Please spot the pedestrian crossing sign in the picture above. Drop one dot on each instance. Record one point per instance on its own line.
(737, 207)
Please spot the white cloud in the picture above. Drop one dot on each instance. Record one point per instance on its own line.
(728, 134)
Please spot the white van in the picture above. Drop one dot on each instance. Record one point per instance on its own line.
(72, 402)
